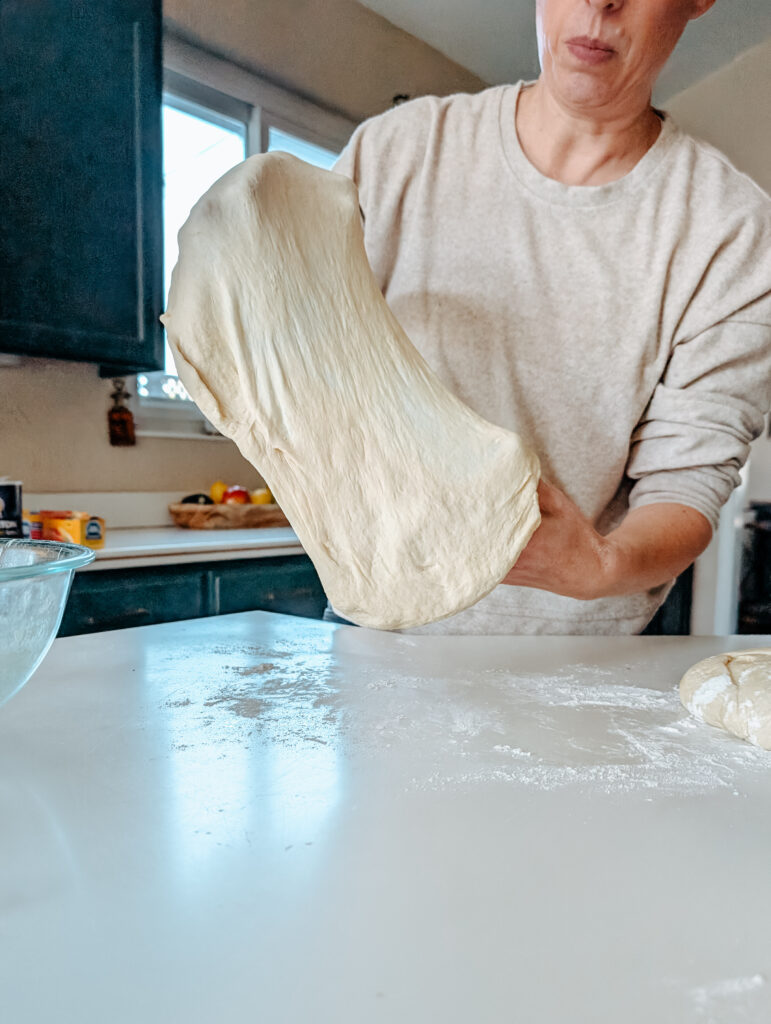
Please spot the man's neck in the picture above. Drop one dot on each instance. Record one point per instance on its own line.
(578, 149)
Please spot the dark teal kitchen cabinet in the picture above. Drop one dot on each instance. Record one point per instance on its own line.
(119, 598)
(81, 181)
(290, 585)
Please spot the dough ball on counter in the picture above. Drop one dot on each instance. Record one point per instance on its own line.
(732, 692)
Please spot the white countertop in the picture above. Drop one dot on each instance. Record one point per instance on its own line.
(163, 545)
(263, 818)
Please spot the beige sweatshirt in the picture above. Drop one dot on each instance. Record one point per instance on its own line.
(624, 330)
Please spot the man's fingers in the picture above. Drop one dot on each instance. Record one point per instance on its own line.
(547, 498)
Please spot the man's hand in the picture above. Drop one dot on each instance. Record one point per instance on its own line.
(567, 556)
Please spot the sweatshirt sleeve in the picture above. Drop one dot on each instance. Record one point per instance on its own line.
(362, 159)
(386, 151)
(695, 433)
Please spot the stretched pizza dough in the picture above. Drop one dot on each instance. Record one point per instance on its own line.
(411, 506)
(733, 692)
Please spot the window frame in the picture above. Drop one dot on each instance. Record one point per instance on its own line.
(196, 81)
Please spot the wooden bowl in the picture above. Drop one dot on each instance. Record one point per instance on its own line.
(226, 517)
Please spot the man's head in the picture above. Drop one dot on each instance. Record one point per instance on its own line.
(601, 54)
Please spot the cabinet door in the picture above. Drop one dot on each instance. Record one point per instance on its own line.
(287, 584)
(119, 598)
(81, 180)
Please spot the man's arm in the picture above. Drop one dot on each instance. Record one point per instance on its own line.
(567, 556)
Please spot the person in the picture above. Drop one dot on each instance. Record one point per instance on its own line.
(579, 270)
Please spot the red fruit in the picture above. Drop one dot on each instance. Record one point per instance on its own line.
(236, 495)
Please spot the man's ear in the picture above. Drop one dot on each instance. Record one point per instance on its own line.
(699, 7)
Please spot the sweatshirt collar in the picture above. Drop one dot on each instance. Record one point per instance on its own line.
(576, 195)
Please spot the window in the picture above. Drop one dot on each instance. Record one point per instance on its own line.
(198, 148)
(306, 151)
(205, 133)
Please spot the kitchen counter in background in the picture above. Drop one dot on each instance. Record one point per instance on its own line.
(150, 571)
(167, 545)
(260, 817)
(140, 532)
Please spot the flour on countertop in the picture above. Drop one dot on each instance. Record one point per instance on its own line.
(549, 732)
(579, 726)
(728, 1001)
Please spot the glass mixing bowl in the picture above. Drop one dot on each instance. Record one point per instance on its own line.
(35, 579)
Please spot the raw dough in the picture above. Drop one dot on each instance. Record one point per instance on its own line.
(733, 692)
(411, 506)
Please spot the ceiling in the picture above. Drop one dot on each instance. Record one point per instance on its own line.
(496, 38)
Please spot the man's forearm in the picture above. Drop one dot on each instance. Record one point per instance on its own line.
(653, 544)
(566, 555)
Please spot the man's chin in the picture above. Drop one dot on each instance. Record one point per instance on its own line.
(581, 86)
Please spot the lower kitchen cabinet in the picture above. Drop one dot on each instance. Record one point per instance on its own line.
(119, 598)
(290, 585)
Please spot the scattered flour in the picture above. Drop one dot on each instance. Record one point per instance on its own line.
(727, 1001)
(580, 726)
(707, 692)
(549, 732)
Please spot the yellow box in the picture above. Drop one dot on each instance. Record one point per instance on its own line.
(65, 527)
(93, 531)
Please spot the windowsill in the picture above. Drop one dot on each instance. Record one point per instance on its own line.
(174, 420)
(176, 433)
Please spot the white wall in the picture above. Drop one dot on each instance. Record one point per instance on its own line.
(336, 52)
(732, 110)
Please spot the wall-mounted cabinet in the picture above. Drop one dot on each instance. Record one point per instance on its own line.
(81, 181)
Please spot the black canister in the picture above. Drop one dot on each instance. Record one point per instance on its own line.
(10, 508)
